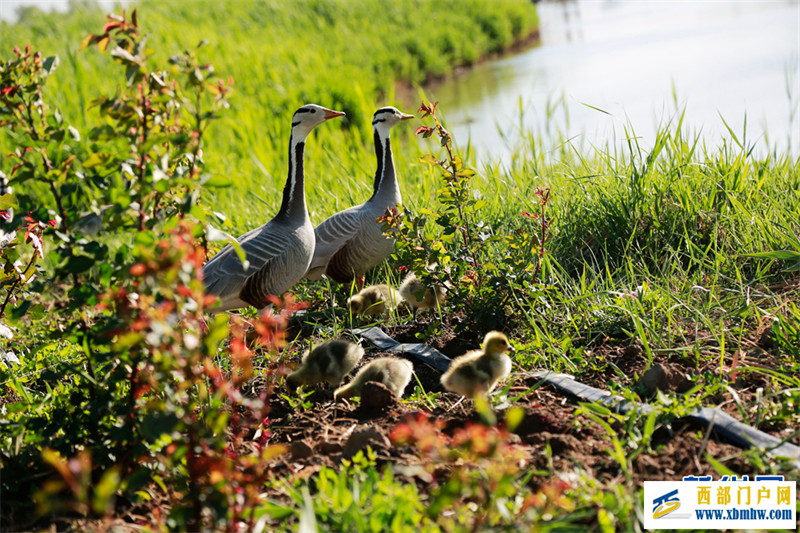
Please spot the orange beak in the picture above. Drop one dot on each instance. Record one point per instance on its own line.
(406, 117)
(329, 114)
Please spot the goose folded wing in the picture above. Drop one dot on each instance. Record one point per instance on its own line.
(333, 233)
(225, 275)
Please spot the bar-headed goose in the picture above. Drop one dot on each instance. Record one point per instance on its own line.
(477, 371)
(330, 362)
(279, 252)
(393, 372)
(351, 242)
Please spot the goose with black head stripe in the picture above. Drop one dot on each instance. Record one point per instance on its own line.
(279, 252)
(351, 242)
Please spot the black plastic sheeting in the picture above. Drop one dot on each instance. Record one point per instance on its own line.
(716, 420)
(428, 355)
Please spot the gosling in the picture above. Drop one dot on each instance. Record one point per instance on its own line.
(412, 288)
(374, 300)
(393, 372)
(477, 371)
(330, 362)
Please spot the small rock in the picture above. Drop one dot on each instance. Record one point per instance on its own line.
(559, 443)
(766, 340)
(300, 450)
(329, 448)
(654, 378)
(376, 396)
(631, 352)
(665, 378)
(362, 437)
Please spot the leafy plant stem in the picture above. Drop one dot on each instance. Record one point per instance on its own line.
(14, 285)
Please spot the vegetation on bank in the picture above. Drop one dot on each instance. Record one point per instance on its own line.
(342, 54)
(120, 396)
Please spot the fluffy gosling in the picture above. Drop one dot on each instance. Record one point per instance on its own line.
(329, 362)
(374, 300)
(393, 372)
(477, 371)
(418, 296)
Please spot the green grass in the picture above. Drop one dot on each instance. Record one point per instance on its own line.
(347, 55)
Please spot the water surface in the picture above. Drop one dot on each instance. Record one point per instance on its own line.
(638, 61)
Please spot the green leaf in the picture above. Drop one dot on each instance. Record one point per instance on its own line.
(20, 310)
(145, 238)
(7, 201)
(97, 159)
(102, 133)
(783, 255)
(514, 416)
(79, 263)
(50, 64)
(104, 490)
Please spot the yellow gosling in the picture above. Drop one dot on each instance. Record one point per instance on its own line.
(477, 371)
(330, 362)
(374, 300)
(418, 296)
(393, 372)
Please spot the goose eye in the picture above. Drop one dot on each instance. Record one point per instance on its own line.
(313, 110)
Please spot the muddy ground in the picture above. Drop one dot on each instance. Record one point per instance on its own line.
(327, 432)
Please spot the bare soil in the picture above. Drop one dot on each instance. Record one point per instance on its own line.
(327, 432)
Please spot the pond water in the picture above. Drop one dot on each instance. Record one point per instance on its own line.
(637, 61)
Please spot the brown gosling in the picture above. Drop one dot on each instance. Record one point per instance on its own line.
(374, 300)
(418, 296)
(330, 362)
(477, 371)
(393, 372)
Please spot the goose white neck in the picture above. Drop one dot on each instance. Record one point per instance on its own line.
(385, 184)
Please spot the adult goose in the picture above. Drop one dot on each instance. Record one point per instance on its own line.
(279, 252)
(351, 242)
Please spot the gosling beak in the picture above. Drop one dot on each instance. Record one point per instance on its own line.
(329, 114)
(512, 349)
(403, 116)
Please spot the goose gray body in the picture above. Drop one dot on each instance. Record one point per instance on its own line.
(351, 242)
(279, 252)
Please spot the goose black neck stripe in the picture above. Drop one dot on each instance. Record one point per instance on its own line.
(294, 183)
(379, 157)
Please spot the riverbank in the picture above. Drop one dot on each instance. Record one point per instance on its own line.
(408, 92)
